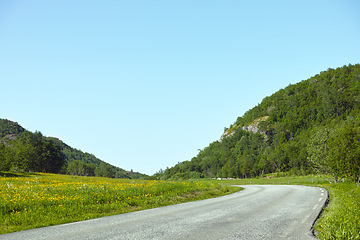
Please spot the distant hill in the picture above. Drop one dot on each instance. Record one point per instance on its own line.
(20, 150)
(9, 129)
(309, 127)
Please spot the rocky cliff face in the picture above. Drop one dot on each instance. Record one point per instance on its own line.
(252, 127)
(228, 132)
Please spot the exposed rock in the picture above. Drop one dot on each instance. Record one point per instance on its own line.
(229, 132)
(11, 136)
(254, 126)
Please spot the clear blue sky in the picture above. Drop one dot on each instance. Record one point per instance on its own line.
(145, 84)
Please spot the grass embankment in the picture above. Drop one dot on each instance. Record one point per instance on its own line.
(36, 200)
(341, 218)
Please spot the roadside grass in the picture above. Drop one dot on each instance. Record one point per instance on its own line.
(36, 200)
(340, 219)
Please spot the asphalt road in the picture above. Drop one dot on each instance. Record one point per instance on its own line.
(257, 212)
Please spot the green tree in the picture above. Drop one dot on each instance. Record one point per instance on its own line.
(105, 170)
(120, 174)
(317, 149)
(31, 152)
(344, 152)
(4, 164)
(77, 167)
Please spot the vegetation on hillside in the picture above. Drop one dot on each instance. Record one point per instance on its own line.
(31, 152)
(9, 128)
(309, 127)
(22, 150)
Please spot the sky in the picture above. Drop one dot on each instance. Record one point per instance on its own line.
(143, 84)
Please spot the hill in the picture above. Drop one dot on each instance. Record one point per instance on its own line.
(311, 126)
(21, 150)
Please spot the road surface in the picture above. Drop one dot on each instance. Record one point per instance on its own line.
(257, 212)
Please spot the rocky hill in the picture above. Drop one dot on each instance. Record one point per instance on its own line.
(287, 131)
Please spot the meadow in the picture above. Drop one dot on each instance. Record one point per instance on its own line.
(340, 219)
(37, 200)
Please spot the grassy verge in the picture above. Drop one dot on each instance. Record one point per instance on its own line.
(37, 200)
(340, 219)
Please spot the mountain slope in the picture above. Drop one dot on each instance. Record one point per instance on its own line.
(275, 136)
(9, 129)
(14, 138)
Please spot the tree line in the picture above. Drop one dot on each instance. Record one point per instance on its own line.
(31, 152)
(22, 150)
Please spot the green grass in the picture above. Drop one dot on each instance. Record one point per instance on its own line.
(36, 200)
(340, 219)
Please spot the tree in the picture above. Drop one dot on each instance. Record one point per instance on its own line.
(4, 164)
(105, 170)
(52, 159)
(31, 152)
(120, 174)
(77, 167)
(344, 152)
(317, 149)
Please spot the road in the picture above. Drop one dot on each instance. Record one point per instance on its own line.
(257, 212)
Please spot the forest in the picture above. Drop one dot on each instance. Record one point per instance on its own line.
(309, 127)
(24, 151)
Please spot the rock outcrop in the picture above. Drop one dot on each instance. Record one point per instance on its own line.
(252, 127)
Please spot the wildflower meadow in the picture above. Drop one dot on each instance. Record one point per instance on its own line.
(37, 200)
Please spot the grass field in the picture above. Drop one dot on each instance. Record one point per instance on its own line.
(340, 219)
(36, 200)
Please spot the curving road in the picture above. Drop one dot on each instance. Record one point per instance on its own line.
(257, 212)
